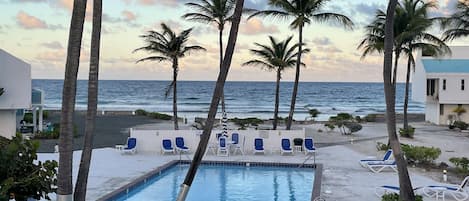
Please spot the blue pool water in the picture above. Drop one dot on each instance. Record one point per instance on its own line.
(230, 183)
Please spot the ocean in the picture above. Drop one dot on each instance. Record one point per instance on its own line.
(243, 99)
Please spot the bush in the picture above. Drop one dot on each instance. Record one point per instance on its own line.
(420, 154)
(460, 124)
(330, 126)
(346, 123)
(55, 133)
(358, 119)
(141, 112)
(382, 147)
(462, 164)
(313, 113)
(395, 197)
(22, 175)
(353, 127)
(247, 121)
(409, 132)
(157, 115)
(370, 117)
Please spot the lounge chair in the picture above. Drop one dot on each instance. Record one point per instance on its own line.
(309, 146)
(130, 147)
(386, 189)
(236, 144)
(286, 148)
(386, 157)
(458, 192)
(167, 146)
(180, 147)
(378, 166)
(222, 147)
(258, 145)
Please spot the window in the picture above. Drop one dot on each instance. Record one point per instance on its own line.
(430, 87)
(462, 84)
(444, 84)
(442, 109)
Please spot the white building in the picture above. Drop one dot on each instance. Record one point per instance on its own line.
(15, 78)
(442, 84)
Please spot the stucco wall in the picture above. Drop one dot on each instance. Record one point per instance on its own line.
(453, 93)
(7, 123)
(15, 77)
(432, 112)
(448, 110)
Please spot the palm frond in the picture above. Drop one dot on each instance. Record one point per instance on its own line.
(338, 18)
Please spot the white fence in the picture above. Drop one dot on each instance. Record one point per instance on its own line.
(151, 140)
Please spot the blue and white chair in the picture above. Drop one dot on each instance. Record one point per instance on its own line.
(388, 189)
(130, 147)
(309, 146)
(378, 166)
(180, 147)
(387, 156)
(222, 147)
(286, 147)
(258, 146)
(166, 146)
(458, 192)
(236, 144)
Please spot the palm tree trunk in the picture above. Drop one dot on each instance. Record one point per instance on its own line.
(64, 177)
(220, 39)
(204, 138)
(297, 79)
(83, 171)
(406, 95)
(396, 64)
(406, 192)
(175, 106)
(277, 97)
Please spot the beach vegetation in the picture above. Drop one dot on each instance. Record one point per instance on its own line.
(330, 126)
(302, 12)
(141, 112)
(277, 56)
(217, 12)
(395, 197)
(382, 146)
(54, 133)
(420, 154)
(408, 133)
(245, 122)
(161, 116)
(461, 125)
(358, 119)
(346, 123)
(370, 117)
(461, 163)
(313, 113)
(168, 46)
(22, 176)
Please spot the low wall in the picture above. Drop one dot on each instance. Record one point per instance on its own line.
(150, 140)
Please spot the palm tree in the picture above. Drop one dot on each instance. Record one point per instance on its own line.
(218, 12)
(457, 23)
(214, 104)
(64, 177)
(82, 179)
(168, 46)
(410, 31)
(406, 191)
(278, 56)
(303, 12)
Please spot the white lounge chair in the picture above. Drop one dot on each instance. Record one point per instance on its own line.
(309, 146)
(258, 146)
(458, 192)
(222, 147)
(286, 148)
(130, 147)
(236, 145)
(387, 156)
(378, 166)
(180, 147)
(167, 147)
(386, 189)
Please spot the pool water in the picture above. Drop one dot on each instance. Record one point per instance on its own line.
(230, 183)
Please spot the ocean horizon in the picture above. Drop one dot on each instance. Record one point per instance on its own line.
(243, 98)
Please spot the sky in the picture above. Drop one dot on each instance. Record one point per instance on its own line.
(37, 32)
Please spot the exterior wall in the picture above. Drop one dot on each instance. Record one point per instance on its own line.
(432, 112)
(15, 77)
(7, 123)
(449, 115)
(150, 140)
(419, 81)
(453, 93)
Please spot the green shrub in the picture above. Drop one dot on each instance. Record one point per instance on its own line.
(420, 154)
(346, 123)
(247, 121)
(23, 175)
(313, 113)
(370, 117)
(382, 146)
(55, 133)
(462, 164)
(408, 133)
(28, 118)
(460, 124)
(395, 197)
(157, 115)
(358, 119)
(141, 112)
(330, 126)
(45, 114)
(353, 127)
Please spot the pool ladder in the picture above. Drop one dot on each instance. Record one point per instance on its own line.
(308, 158)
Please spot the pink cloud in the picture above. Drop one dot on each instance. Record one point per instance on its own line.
(129, 16)
(255, 26)
(172, 3)
(29, 22)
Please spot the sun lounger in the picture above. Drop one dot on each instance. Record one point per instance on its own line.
(386, 157)
(386, 189)
(236, 144)
(378, 166)
(258, 145)
(167, 146)
(180, 147)
(309, 146)
(458, 192)
(286, 148)
(130, 147)
(222, 147)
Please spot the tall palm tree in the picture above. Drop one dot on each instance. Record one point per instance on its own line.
(218, 12)
(410, 34)
(302, 12)
(204, 138)
(83, 171)
(168, 46)
(457, 23)
(278, 56)
(406, 191)
(64, 177)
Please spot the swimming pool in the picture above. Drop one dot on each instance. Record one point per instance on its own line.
(227, 182)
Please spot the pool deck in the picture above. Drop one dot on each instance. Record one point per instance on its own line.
(343, 178)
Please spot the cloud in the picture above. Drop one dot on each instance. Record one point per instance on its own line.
(321, 41)
(255, 26)
(52, 56)
(170, 3)
(53, 45)
(129, 16)
(29, 22)
(28, 1)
